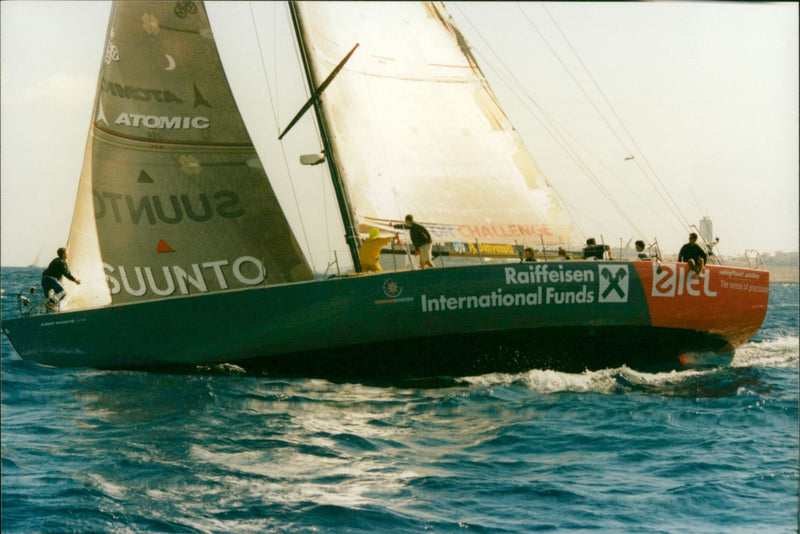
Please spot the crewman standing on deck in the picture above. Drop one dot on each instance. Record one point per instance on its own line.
(370, 252)
(51, 280)
(421, 239)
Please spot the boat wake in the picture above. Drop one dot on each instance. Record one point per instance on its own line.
(621, 380)
(741, 377)
(782, 351)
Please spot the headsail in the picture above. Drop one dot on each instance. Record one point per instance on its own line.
(173, 198)
(416, 128)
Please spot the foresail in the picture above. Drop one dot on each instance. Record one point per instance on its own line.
(416, 128)
(173, 199)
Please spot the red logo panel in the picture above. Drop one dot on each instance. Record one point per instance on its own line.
(728, 300)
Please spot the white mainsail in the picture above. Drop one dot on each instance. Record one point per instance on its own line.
(173, 199)
(416, 128)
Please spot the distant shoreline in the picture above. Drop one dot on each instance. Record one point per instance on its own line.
(779, 274)
(783, 274)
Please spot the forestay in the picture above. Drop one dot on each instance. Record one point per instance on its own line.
(173, 199)
(416, 128)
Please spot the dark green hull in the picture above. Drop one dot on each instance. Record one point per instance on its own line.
(459, 321)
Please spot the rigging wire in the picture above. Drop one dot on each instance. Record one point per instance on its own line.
(593, 104)
(671, 203)
(277, 124)
(644, 202)
(534, 115)
(699, 209)
(553, 130)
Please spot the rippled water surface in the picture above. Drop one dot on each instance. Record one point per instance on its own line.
(221, 450)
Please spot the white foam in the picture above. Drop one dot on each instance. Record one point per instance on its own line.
(780, 352)
(107, 487)
(226, 368)
(605, 381)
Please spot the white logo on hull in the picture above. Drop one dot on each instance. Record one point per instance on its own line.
(670, 280)
(613, 283)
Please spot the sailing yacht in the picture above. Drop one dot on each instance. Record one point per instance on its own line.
(187, 257)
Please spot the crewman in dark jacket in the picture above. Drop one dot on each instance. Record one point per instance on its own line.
(694, 255)
(421, 239)
(51, 280)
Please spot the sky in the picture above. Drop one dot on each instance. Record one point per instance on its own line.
(702, 96)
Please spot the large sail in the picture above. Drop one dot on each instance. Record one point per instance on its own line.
(173, 198)
(416, 129)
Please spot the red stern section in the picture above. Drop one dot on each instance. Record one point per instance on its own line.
(730, 301)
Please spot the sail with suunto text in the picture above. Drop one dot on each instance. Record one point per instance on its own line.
(173, 199)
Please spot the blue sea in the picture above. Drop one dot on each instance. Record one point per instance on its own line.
(221, 450)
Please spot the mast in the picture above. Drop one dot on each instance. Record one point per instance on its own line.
(417, 129)
(342, 197)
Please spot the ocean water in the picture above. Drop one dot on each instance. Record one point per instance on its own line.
(221, 450)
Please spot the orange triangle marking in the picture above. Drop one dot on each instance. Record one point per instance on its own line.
(163, 247)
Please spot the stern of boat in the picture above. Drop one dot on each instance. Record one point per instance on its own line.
(728, 301)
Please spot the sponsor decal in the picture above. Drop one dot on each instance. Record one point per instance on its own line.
(543, 272)
(469, 233)
(150, 24)
(392, 289)
(156, 122)
(182, 9)
(547, 285)
(112, 53)
(141, 94)
(190, 164)
(67, 321)
(162, 246)
(101, 115)
(741, 281)
(613, 283)
(199, 99)
(151, 209)
(487, 248)
(670, 280)
(677, 298)
(169, 280)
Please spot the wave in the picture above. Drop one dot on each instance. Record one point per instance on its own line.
(733, 380)
(782, 351)
(616, 381)
(779, 352)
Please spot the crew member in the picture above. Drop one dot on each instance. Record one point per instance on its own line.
(421, 239)
(51, 280)
(528, 255)
(370, 252)
(694, 255)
